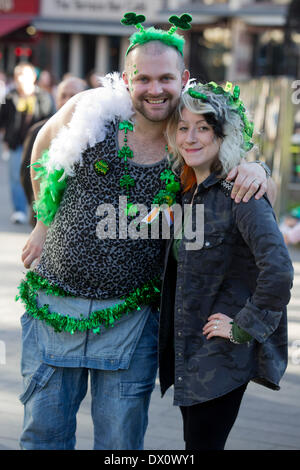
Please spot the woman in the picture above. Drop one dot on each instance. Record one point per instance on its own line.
(223, 310)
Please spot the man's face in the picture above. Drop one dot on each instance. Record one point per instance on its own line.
(154, 82)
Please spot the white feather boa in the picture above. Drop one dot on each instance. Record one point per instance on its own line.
(94, 111)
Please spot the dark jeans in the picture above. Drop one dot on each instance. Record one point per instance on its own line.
(207, 425)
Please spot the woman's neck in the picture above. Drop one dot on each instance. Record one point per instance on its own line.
(201, 174)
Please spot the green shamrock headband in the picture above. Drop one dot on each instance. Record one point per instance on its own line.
(233, 100)
(170, 38)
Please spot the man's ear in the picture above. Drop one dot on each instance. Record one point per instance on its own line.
(185, 77)
(125, 78)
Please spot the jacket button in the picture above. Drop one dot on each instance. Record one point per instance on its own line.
(179, 333)
(180, 379)
(207, 243)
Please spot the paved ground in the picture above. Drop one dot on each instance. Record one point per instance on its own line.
(268, 420)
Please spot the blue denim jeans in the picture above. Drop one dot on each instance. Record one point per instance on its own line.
(120, 398)
(19, 200)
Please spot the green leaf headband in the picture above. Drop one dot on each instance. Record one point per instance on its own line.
(233, 100)
(170, 38)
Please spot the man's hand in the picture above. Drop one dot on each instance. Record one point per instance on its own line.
(249, 179)
(34, 246)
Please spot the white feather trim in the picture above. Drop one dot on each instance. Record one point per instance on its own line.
(88, 125)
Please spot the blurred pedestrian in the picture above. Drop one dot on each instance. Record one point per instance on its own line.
(292, 235)
(46, 82)
(65, 90)
(93, 79)
(24, 105)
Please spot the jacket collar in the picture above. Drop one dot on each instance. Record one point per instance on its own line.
(211, 180)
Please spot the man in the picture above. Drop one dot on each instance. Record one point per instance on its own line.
(102, 160)
(24, 106)
(65, 90)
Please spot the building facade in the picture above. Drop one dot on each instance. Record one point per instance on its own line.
(230, 39)
(17, 35)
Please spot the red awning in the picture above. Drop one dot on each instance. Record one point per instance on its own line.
(10, 24)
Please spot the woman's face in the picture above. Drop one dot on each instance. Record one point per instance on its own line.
(196, 141)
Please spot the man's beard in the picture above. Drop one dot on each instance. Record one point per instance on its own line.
(158, 115)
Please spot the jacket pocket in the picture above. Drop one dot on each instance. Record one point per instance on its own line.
(213, 241)
(37, 382)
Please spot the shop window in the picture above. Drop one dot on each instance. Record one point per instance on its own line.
(89, 52)
(65, 54)
(209, 54)
(114, 53)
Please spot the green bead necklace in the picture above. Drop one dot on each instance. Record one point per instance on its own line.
(127, 181)
(164, 196)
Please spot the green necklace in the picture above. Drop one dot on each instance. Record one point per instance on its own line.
(164, 196)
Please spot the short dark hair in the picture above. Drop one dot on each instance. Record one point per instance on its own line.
(157, 47)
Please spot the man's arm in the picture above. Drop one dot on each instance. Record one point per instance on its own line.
(33, 248)
(249, 179)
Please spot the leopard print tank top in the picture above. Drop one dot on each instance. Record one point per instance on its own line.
(74, 257)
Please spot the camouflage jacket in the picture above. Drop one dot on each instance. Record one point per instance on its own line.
(244, 271)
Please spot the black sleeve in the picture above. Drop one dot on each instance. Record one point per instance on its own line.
(257, 224)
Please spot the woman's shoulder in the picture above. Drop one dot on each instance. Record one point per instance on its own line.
(225, 187)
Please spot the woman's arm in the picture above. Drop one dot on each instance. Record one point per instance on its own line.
(257, 224)
(261, 315)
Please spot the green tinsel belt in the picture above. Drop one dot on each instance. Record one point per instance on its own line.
(29, 287)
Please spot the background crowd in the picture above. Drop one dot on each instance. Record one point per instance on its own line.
(28, 100)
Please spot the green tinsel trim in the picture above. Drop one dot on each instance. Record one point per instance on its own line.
(240, 335)
(152, 34)
(28, 289)
(51, 190)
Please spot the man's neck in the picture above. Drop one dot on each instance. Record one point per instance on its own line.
(150, 130)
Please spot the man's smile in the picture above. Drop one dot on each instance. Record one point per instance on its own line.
(156, 101)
